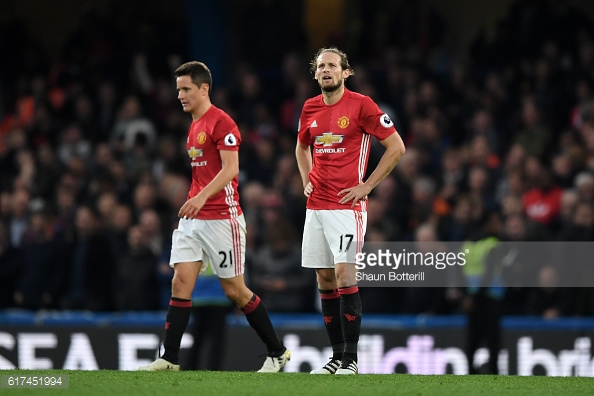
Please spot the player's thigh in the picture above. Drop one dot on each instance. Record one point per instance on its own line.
(224, 245)
(186, 247)
(315, 252)
(344, 231)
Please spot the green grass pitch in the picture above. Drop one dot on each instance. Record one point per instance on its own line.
(129, 383)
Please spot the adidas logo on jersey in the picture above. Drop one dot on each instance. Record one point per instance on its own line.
(314, 124)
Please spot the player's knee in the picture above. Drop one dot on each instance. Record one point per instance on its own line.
(231, 290)
(231, 294)
(237, 293)
(181, 285)
(326, 279)
(237, 297)
(346, 275)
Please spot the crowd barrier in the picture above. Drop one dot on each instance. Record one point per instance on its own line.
(388, 343)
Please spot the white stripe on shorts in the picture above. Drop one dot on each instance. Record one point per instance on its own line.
(359, 220)
(236, 239)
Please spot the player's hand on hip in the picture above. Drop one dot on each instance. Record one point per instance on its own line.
(191, 208)
(308, 189)
(354, 194)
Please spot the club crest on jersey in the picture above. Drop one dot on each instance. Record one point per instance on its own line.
(386, 121)
(328, 139)
(194, 153)
(343, 122)
(201, 138)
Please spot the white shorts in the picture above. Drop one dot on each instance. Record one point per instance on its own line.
(220, 243)
(332, 236)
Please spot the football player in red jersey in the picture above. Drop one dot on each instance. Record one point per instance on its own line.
(212, 227)
(339, 125)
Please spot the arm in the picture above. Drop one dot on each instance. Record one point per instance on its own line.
(394, 151)
(230, 169)
(304, 162)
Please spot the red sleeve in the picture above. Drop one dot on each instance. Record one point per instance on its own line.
(226, 134)
(303, 129)
(374, 121)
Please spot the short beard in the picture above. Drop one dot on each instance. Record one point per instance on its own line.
(331, 88)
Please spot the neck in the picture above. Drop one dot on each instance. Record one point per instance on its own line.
(203, 108)
(333, 97)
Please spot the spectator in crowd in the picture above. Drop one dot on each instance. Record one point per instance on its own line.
(548, 300)
(421, 300)
(169, 159)
(152, 229)
(518, 262)
(44, 263)
(117, 228)
(275, 273)
(19, 216)
(584, 185)
(106, 204)
(134, 280)
(47, 172)
(91, 269)
(534, 136)
(581, 227)
(145, 198)
(10, 269)
(484, 293)
(132, 127)
(73, 144)
(542, 203)
(569, 200)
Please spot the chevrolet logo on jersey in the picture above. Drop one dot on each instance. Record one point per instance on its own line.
(328, 139)
(194, 153)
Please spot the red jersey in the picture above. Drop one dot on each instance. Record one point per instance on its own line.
(213, 132)
(542, 206)
(341, 136)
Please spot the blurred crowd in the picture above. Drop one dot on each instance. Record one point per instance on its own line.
(93, 166)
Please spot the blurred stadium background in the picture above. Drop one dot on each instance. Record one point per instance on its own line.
(494, 100)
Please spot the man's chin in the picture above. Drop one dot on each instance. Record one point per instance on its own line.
(330, 88)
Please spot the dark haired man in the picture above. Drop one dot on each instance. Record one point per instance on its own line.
(212, 227)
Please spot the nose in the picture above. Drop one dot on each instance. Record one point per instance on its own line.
(179, 95)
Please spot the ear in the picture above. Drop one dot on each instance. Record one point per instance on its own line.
(346, 74)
